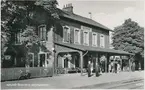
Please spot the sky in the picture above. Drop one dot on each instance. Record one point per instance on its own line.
(110, 13)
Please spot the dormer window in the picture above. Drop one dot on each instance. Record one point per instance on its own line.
(66, 34)
(42, 32)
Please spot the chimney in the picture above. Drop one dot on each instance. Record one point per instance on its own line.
(90, 15)
(68, 8)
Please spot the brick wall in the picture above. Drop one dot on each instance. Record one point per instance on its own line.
(73, 25)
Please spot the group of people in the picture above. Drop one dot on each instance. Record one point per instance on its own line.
(90, 69)
(114, 67)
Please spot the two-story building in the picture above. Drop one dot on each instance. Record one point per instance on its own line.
(73, 41)
(81, 39)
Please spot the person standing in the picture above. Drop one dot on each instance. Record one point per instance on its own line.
(115, 66)
(89, 68)
(97, 69)
(110, 67)
(118, 67)
(133, 66)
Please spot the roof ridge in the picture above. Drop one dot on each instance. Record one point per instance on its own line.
(82, 19)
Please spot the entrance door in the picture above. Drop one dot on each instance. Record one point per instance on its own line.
(66, 63)
(42, 60)
(77, 60)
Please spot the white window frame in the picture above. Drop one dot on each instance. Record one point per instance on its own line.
(79, 37)
(88, 30)
(96, 39)
(43, 25)
(18, 37)
(103, 41)
(45, 53)
(67, 32)
(86, 43)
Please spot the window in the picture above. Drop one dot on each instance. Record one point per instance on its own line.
(66, 34)
(94, 39)
(86, 38)
(76, 36)
(86, 32)
(102, 41)
(42, 32)
(18, 38)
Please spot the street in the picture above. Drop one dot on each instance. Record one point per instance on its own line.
(131, 84)
(123, 80)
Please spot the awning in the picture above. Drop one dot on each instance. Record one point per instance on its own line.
(94, 49)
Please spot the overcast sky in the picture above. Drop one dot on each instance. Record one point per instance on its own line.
(110, 13)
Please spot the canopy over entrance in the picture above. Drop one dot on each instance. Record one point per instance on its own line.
(93, 49)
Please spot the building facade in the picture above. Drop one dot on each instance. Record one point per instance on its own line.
(69, 44)
(79, 40)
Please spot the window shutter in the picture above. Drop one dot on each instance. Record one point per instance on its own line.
(71, 35)
(82, 36)
(68, 37)
(65, 35)
(90, 38)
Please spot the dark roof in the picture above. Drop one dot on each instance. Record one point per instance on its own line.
(82, 19)
(96, 49)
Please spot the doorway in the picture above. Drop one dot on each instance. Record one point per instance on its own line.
(42, 60)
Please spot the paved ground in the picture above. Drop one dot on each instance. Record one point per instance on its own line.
(124, 84)
(72, 81)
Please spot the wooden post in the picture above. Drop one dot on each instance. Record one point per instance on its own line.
(97, 58)
(106, 63)
(121, 63)
(108, 58)
(81, 61)
(99, 62)
(54, 57)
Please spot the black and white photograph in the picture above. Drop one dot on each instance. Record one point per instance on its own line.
(72, 44)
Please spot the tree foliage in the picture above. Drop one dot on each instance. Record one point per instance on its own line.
(129, 37)
(18, 15)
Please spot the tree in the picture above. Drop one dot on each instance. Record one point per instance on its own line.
(19, 16)
(129, 37)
